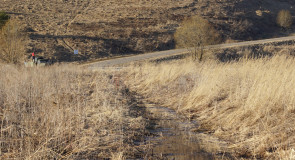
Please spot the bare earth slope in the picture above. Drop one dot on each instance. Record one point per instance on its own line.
(115, 27)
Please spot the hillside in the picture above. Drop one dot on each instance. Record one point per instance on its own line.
(109, 28)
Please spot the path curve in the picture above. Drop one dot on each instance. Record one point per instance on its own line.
(168, 53)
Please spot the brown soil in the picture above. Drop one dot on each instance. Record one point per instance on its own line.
(109, 28)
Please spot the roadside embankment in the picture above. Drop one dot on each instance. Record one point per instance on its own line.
(249, 104)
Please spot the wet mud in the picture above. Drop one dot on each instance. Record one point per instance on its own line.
(169, 135)
(172, 137)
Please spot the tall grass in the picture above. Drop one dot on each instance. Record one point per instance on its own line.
(61, 112)
(250, 104)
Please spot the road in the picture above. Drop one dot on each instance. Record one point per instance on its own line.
(168, 53)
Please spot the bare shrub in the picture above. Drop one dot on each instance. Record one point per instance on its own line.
(12, 43)
(284, 19)
(194, 33)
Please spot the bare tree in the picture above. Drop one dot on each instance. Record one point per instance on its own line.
(284, 19)
(195, 33)
(12, 43)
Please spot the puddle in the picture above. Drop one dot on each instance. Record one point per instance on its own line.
(171, 137)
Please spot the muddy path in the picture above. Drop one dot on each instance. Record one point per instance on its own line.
(169, 135)
(172, 137)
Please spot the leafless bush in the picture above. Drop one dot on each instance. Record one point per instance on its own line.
(194, 34)
(284, 19)
(12, 43)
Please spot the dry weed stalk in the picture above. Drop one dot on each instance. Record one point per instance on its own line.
(249, 103)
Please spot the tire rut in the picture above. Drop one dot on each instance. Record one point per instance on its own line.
(168, 135)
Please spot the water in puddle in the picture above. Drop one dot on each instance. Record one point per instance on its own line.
(172, 138)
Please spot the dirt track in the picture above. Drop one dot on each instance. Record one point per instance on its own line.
(168, 53)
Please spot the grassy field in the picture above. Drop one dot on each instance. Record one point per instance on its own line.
(247, 104)
(63, 112)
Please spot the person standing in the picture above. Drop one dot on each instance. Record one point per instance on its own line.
(33, 57)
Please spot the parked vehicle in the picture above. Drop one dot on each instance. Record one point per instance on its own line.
(38, 61)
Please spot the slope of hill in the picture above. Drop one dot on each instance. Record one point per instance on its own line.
(115, 27)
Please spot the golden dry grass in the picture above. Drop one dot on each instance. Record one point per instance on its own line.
(249, 104)
(62, 112)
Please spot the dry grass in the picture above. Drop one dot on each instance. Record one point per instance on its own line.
(62, 112)
(249, 104)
